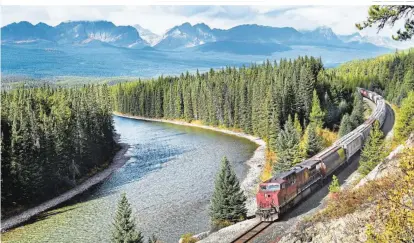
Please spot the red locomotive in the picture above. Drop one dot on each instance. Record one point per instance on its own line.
(280, 193)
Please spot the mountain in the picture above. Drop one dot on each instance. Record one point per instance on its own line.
(27, 32)
(242, 48)
(151, 38)
(321, 35)
(73, 32)
(382, 41)
(352, 37)
(186, 35)
(259, 33)
(189, 36)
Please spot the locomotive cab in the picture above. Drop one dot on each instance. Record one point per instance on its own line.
(267, 199)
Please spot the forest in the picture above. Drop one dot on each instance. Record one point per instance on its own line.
(257, 100)
(286, 103)
(52, 138)
(390, 75)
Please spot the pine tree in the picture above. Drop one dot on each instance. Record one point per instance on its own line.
(357, 115)
(297, 125)
(374, 151)
(346, 126)
(334, 186)
(287, 147)
(405, 120)
(228, 201)
(124, 225)
(313, 143)
(316, 115)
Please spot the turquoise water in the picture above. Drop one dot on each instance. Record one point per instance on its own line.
(168, 180)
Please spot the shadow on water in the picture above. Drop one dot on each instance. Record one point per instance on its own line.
(46, 215)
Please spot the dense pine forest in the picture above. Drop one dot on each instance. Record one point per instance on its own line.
(256, 99)
(51, 139)
(286, 103)
(390, 75)
(279, 102)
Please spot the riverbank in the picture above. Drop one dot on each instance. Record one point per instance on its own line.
(255, 163)
(118, 161)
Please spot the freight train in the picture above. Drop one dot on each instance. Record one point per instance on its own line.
(280, 193)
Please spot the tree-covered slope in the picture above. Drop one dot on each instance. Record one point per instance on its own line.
(51, 139)
(391, 75)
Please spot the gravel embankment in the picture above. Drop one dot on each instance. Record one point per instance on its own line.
(256, 162)
(118, 161)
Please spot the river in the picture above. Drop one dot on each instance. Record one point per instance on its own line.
(168, 180)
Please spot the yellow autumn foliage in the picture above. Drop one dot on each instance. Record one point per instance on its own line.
(396, 209)
(268, 167)
(328, 136)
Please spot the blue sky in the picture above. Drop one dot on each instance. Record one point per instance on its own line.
(160, 18)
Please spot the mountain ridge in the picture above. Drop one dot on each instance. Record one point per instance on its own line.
(74, 32)
(184, 36)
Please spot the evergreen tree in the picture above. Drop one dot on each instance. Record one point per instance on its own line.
(297, 125)
(51, 138)
(334, 186)
(346, 126)
(374, 151)
(357, 115)
(287, 147)
(124, 226)
(313, 143)
(316, 115)
(228, 201)
(382, 15)
(405, 119)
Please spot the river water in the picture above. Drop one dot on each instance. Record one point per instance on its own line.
(169, 181)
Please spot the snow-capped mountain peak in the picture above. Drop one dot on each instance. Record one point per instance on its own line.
(151, 38)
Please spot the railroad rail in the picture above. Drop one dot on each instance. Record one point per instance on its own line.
(253, 232)
(323, 164)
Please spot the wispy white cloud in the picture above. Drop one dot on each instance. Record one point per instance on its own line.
(341, 19)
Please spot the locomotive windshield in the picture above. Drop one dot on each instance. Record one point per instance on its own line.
(272, 188)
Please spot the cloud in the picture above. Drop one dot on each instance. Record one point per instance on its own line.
(158, 19)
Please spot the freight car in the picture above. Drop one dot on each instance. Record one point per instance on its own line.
(280, 193)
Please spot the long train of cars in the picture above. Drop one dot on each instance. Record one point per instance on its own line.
(282, 192)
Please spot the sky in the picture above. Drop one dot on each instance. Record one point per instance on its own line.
(158, 19)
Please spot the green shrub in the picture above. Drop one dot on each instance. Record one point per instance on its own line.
(334, 187)
(219, 224)
(188, 238)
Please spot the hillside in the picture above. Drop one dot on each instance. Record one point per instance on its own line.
(373, 213)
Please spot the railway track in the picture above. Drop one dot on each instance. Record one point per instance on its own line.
(253, 232)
